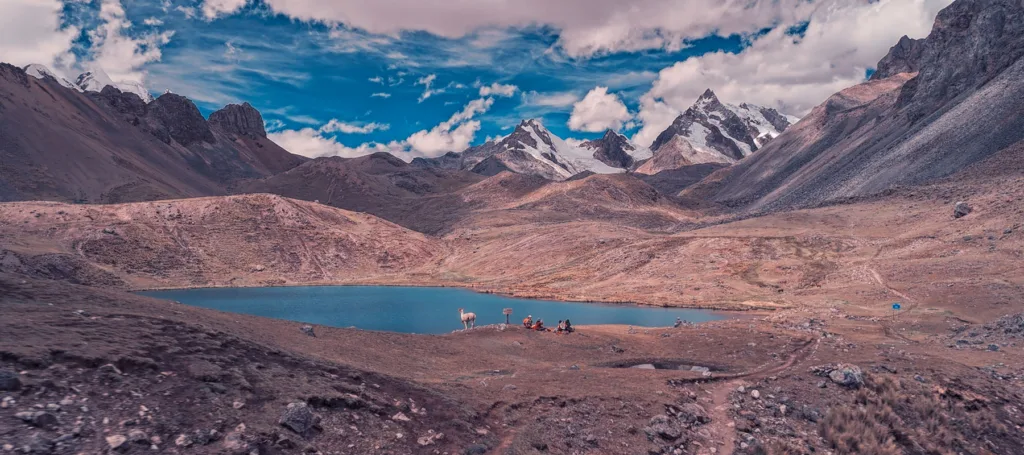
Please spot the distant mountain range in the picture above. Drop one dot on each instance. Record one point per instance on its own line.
(933, 107)
(707, 132)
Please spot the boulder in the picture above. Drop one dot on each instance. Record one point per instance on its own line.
(299, 418)
(664, 427)
(961, 210)
(847, 376)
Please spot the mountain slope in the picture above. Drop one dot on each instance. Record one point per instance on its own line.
(379, 184)
(965, 103)
(57, 143)
(96, 80)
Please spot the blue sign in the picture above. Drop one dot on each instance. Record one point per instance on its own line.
(895, 306)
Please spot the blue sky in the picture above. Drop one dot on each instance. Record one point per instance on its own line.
(419, 78)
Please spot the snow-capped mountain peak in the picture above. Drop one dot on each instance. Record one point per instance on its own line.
(721, 132)
(42, 72)
(95, 79)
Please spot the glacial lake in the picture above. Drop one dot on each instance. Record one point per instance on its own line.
(416, 309)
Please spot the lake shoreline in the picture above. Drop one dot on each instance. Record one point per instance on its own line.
(760, 308)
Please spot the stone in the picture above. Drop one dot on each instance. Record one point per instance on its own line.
(308, 330)
(234, 442)
(40, 419)
(961, 209)
(299, 418)
(240, 119)
(755, 394)
(183, 440)
(38, 443)
(9, 381)
(847, 376)
(693, 413)
(138, 437)
(116, 441)
(993, 347)
(479, 449)
(429, 439)
(400, 417)
(238, 405)
(664, 427)
(205, 371)
(822, 384)
(782, 410)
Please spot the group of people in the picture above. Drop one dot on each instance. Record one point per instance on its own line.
(563, 326)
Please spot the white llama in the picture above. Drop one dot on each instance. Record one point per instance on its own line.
(468, 319)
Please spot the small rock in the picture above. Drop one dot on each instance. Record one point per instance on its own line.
(482, 431)
(183, 440)
(993, 347)
(430, 438)
(308, 330)
(664, 427)
(755, 394)
(238, 405)
(53, 407)
(234, 442)
(8, 448)
(39, 419)
(9, 381)
(574, 367)
(822, 384)
(400, 417)
(116, 441)
(741, 389)
(138, 437)
(782, 410)
(67, 402)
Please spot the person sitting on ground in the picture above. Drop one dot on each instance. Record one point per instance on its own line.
(539, 325)
(528, 322)
(561, 327)
(679, 322)
(568, 327)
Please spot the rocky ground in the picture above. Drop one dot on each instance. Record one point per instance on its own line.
(91, 371)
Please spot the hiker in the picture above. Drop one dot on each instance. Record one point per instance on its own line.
(538, 326)
(568, 327)
(679, 322)
(561, 327)
(528, 322)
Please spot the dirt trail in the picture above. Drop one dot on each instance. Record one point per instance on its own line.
(722, 427)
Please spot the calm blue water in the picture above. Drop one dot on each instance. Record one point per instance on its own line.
(415, 309)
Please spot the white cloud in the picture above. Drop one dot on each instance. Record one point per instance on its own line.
(496, 89)
(153, 22)
(311, 143)
(377, 80)
(598, 111)
(587, 27)
(790, 73)
(427, 82)
(559, 99)
(122, 56)
(216, 8)
(454, 134)
(30, 32)
(337, 126)
(384, 95)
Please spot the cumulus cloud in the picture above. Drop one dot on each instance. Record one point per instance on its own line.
(587, 27)
(119, 54)
(599, 111)
(30, 32)
(312, 143)
(454, 134)
(790, 73)
(496, 89)
(213, 9)
(337, 126)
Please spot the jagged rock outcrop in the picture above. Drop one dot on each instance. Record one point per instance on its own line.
(173, 116)
(615, 150)
(240, 119)
(904, 57)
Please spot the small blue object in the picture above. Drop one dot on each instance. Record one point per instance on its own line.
(895, 306)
